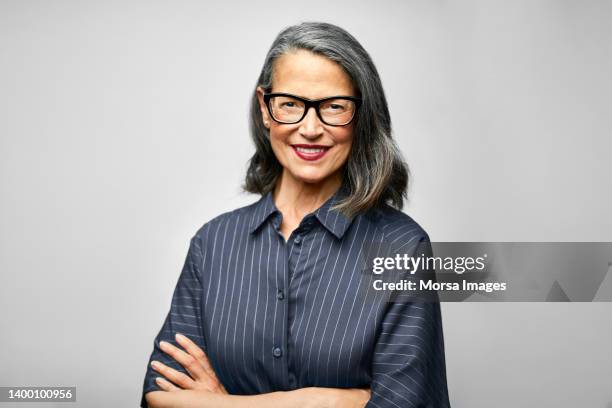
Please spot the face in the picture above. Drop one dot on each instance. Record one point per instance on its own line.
(310, 150)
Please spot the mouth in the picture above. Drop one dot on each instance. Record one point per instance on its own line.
(310, 152)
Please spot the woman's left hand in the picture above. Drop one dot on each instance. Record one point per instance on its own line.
(195, 361)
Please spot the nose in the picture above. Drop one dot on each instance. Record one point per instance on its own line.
(311, 127)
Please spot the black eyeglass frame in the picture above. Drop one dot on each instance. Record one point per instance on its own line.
(308, 103)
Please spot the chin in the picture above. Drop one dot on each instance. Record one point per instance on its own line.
(310, 178)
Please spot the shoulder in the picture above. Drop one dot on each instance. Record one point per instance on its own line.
(242, 215)
(398, 228)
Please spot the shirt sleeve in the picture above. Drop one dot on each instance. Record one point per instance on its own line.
(184, 316)
(408, 366)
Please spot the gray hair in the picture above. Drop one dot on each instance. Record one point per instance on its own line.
(375, 171)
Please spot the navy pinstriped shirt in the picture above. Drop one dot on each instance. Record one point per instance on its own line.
(274, 315)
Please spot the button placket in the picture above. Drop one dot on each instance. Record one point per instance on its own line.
(305, 226)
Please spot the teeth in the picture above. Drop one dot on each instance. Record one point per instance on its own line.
(309, 150)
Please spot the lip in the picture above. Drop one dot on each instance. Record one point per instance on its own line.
(310, 156)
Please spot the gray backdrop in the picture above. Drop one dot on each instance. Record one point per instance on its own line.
(123, 129)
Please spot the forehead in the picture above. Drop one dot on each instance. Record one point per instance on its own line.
(310, 75)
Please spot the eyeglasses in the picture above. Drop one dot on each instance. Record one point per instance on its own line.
(334, 110)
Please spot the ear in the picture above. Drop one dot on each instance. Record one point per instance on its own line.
(265, 116)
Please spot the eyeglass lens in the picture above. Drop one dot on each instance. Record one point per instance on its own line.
(291, 110)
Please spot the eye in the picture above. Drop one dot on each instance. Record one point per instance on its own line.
(335, 107)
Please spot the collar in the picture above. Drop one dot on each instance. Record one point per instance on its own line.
(333, 220)
(262, 210)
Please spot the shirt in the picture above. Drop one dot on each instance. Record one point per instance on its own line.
(276, 315)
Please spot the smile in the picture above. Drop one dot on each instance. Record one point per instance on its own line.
(310, 152)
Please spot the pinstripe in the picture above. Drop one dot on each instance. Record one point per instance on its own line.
(256, 372)
(246, 314)
(363, 357)
(276, 305)
(232, 305)
(310, 311)
(326, 308)
(333, 301)
(266, 304)
(222, 258)
(396, 393)
(275, 314)
(350, 313)
(234, 365)
(228, 288)
(297, 331)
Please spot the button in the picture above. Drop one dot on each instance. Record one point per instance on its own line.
(280, 295)
(292, 380)
(277, 352)
(298, 239)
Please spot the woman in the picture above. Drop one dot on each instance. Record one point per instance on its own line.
(266, 312)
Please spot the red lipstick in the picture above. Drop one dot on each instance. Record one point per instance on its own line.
(310, 152)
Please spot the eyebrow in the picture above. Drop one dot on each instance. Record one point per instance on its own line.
(337, 95)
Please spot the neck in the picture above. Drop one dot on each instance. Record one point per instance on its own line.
(297, 198)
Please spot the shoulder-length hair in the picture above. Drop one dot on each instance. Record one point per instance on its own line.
(375, 171)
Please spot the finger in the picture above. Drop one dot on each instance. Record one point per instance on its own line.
(178, 378)
(189, 362)
(197, 352)
(166, 385)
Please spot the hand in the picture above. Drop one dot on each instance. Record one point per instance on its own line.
(196, 363)
(337, 397)
(351, 397)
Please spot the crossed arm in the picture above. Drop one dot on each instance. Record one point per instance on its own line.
(202, 389)
(408, 361)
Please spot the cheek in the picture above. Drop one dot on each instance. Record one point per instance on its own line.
(278, 142)
(279, 135)
(343, 154)
(344, 141)
(343, 135)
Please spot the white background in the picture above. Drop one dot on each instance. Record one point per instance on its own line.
(123, 128)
